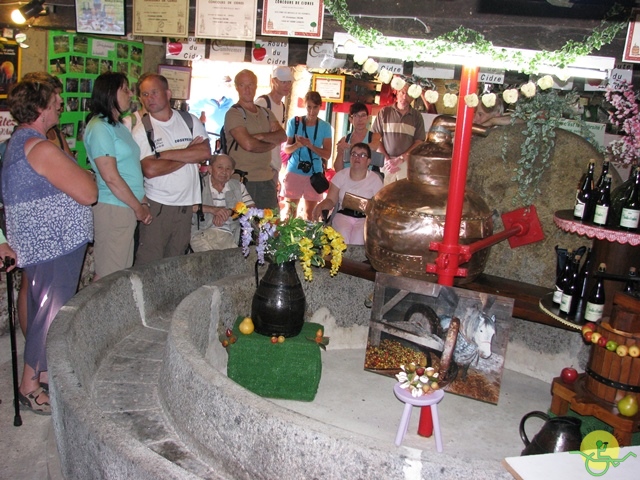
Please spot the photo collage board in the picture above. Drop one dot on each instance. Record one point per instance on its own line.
(77, 60)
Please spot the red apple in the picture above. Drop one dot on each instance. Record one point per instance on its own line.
(602, 342)
(274, 339)
(588, 327)
(587, 336)
(259, 52)
(569, 375)
(174, 48)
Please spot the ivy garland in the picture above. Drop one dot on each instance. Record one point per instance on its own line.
(473, 42)
(540, 114)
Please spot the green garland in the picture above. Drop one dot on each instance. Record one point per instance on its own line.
(467, 40)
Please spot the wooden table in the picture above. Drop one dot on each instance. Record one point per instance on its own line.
(584, 403)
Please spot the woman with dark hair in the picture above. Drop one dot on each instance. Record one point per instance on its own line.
(309, 144)
(46, 197)
(356, 179)
(115, 156)
(359, 118)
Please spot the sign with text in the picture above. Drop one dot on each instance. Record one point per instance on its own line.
(227, 50)
(491, 75)
(623, 72)
(632, 45)
(185, 49)
(161, 18)
(226, 19)
(596, 129)
(270, 51)
(293, 18)
(391, 64)
(7, 123)
(322, 55)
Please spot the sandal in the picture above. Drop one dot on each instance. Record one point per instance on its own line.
(30, 401)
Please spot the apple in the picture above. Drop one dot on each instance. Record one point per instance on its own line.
(259, 52)
(634, 351)
(420, 371)
(174, 48)
(281, 339)
(587, 336)
(588, 326)
(628, 406)
(595, 336)
(611, 346)
(622, 350)
(569, 375)
(274, 339)
(602, 342)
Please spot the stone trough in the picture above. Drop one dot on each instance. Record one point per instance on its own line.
(139, 387)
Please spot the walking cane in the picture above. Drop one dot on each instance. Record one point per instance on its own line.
(8, 261)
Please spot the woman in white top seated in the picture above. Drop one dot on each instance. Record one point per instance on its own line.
(358, 180)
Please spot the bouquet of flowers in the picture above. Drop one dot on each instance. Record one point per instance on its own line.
(289, 240)
(626, 117)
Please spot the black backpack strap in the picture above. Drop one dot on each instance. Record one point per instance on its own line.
(267, 100)
(148, 128)
(188, 119)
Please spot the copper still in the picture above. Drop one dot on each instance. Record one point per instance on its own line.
(405, 216)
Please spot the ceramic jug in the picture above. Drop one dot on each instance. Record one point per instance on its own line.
(558, 434)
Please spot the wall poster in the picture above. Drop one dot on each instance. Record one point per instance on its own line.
(226, 19)
(161, 18)
(104, 17)
(77, 60)
(289, 18)
(9, 66)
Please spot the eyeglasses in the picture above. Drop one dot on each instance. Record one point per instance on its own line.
(360, 115)
(359, 155)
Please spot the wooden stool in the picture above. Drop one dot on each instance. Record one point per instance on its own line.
(584, 403)
(432, 400)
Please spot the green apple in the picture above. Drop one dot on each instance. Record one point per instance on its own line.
(611, 346)
(628, 406)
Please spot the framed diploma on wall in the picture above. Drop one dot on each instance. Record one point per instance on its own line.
(179, 79)
(330, 87)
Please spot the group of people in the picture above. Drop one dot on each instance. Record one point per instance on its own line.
(148, 177)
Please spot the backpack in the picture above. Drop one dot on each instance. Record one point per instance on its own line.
(146, 121)
(221, 143)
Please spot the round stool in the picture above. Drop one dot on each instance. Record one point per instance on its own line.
(432, 400)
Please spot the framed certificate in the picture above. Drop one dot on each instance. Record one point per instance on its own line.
(330, 87)
(105, 17)
(179, 79)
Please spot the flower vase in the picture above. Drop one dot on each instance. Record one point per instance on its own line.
(279, 302)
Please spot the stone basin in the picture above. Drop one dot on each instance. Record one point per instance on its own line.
(140, 391)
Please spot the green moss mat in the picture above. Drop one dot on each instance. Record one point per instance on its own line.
(591, 424)
(289, 370)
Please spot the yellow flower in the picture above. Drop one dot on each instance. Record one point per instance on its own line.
(268, 214)
(241, 208)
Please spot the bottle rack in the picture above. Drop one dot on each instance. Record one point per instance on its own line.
(617, 248)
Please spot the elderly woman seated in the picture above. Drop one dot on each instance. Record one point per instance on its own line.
(358, 180)
(213, 227)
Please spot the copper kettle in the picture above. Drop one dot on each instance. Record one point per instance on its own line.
(558, 434)
(405, 216)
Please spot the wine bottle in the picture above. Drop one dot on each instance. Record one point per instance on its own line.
(630, 286)
(631, 207)
(585, 274)
(585, 194)
(569, 292)
(563, 278)
(595, 301)
(603, 202)
(603, 175)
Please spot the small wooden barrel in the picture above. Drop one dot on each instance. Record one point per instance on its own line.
(610, 376)
(625, 315)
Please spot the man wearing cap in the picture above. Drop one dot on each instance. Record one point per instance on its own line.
(281, 83)
(252, 132)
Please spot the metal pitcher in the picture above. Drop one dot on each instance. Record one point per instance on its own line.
(558, 434)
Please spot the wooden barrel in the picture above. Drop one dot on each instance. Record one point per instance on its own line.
(610, 376)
